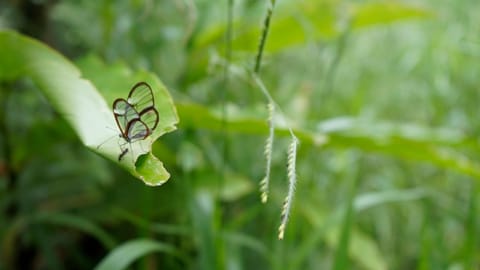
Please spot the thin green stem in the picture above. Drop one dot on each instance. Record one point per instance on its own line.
(270, 99)
(263, 37)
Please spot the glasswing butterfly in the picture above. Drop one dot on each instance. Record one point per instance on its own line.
(136, 117)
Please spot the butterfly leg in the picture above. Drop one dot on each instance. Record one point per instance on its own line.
(123, 149)
(124, 152)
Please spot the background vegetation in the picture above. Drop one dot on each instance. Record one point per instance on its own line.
(381, 94)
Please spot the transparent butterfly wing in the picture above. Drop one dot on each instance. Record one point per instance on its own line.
(141, 97)
(150, 118)
(124, 113)
(142, 100)
(137, 130)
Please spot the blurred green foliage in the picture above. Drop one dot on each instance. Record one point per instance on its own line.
(382, 95)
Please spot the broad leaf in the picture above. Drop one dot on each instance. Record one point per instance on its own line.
(79, 102)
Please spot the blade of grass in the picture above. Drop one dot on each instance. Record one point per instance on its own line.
(122, 256)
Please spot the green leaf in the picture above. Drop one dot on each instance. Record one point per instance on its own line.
(76, 222)
(299, 22)
(438, 146)
(348, 220)
(122, 256)
(369, 14)
(83, 107)
(368, 200)
(149, 167)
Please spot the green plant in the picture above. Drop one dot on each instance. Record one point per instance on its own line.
(374, 102)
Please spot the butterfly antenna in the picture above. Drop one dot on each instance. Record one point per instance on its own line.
(109, 138)
(111, 128)
(100, 145)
